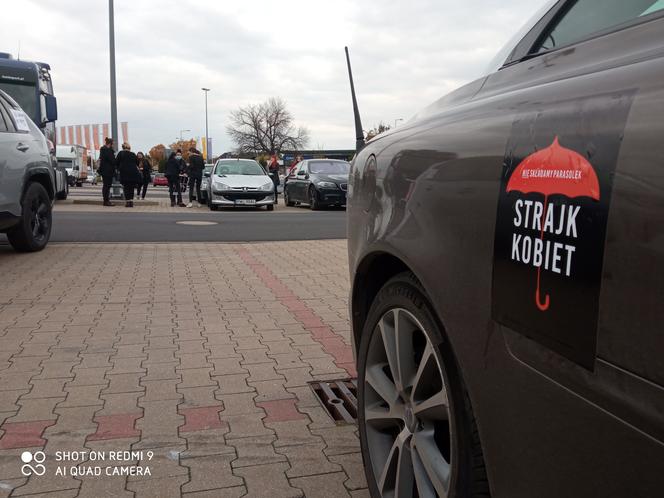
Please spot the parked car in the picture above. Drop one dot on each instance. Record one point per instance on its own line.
(507, 267)
(159, 180)
(318, 183)
(27, 189)
(240, 183)
(91, 177)
(204, 183)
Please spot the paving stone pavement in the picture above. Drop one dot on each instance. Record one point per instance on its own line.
(193, 358)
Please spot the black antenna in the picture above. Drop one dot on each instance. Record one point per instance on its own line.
(359, 133)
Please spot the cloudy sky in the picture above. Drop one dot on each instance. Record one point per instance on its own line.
(405, 54)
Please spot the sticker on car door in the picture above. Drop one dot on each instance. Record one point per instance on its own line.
(551, 221)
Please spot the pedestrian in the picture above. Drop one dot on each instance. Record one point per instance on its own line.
(106, 169)
(145, 168)
(273, 169)
(130, 176)
(195, 174)
(172, 174)
(183, 168)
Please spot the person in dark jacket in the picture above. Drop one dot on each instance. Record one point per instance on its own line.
(172, 174)
(195, 174)
(273, 171)
(106, 170)
(130, 176)
(145, 168)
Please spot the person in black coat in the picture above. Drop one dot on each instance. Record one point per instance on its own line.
(145, 168)
(107, 167)
(195, 174)
(130, 176)
(172, 174)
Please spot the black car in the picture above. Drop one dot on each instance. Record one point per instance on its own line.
(318, 183)
(507, 268)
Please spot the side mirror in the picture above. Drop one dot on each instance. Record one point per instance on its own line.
(50, 107)
(301, 173)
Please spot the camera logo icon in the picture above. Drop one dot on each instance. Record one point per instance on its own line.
(36, 458)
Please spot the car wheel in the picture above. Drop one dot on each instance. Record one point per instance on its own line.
(34, 228)
(270, 207)
(417, 430)
(213, 207)
(314, 203)
(287, 200)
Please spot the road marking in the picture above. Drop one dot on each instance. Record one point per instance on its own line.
(197, 223)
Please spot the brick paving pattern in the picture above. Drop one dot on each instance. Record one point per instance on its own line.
(194, 356)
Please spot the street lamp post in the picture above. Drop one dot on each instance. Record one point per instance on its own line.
(114, 103)
(397, 120)
(207, 138)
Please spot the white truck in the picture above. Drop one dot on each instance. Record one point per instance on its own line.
(74, 158)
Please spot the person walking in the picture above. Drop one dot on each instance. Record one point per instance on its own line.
(145, 168)
(172, 174)
(130, 176)
(195, 174)
(106, 169)
(273, 170)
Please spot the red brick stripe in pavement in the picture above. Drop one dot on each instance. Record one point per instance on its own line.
(281, 410)
(24, 434)
(331, 342)
(201, 418)
(116, 426)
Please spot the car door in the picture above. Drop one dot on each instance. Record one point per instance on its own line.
(586, 91)
(299, 182)
(14, 150)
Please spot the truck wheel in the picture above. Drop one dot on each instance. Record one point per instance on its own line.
(34, 229)
(416, 425)
(62, 196)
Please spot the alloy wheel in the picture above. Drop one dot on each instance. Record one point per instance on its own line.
(406, 410)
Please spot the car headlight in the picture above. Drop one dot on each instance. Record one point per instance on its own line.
(221, 186)
(326, 184)
(268, 186)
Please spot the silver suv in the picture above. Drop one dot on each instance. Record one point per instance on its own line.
(26, 179)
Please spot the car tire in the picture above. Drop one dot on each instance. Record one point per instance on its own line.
(445, 432)
(33, 231)
(213, 207)
(314, 203)
(270, 207)
(287, 200)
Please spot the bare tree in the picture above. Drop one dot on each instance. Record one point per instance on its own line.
(266, 128)
(377, 130)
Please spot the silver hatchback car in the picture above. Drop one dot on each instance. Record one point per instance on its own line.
(240, 183)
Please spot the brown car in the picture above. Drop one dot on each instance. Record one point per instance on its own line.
(507, 267)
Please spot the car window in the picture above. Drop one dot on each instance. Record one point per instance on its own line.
(587, 17)
(302, 167)
(329, 167)
(239, 167)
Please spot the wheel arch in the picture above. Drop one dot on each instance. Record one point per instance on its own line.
(41, 176)
(371, 274)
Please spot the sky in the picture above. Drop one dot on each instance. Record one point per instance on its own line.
(405, 55)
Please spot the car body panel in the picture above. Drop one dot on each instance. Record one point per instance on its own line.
(427, 194)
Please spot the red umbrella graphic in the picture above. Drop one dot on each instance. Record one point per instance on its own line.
(554, 170)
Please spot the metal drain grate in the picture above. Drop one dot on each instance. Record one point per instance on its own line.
(339, 398)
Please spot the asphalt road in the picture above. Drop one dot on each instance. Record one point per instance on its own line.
(243, 226)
